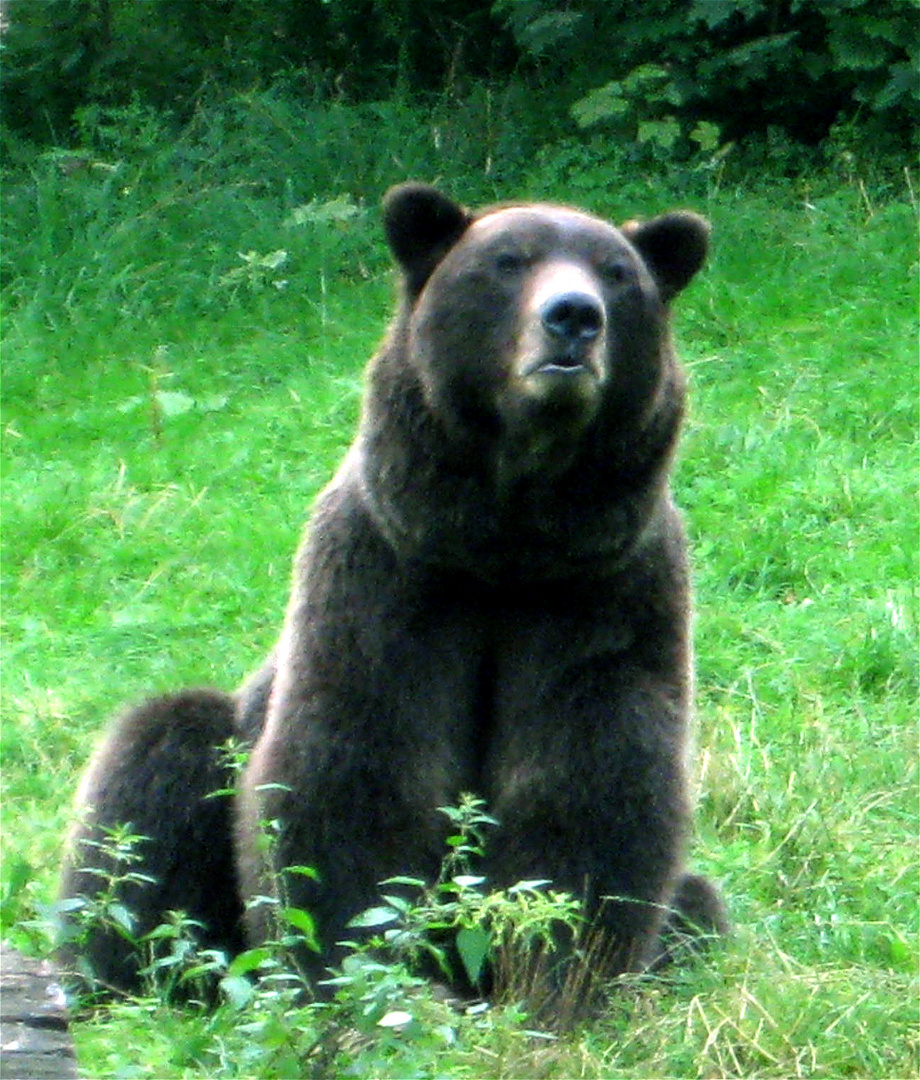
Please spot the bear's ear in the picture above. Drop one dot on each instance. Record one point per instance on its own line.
(673, 246)
(421, 225)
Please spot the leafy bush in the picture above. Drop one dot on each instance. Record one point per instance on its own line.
(178, 55)
(745, 66)
(378, 1004)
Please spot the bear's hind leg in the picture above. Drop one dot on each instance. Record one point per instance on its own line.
(697, 915)
(156, 773)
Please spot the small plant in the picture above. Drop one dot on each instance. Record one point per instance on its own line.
(337, 211)
(232, 756)
(382, 1008)
(257, 272)
(505, 940)
(645, 105)
(128, 131)
(104, 912)
(173, 966)
(178, 969)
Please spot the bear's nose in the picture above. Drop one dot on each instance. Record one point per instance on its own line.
(573, 316)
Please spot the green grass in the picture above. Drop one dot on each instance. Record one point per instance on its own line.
(166, 426)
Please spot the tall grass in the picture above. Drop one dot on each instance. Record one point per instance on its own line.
(174, 396)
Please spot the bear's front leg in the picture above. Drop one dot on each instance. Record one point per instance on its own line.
(344, 811)
(598, 808)
(585, 769)
(366, 735)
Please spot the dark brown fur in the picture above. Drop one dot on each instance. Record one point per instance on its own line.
(492, 596)
(158, 772)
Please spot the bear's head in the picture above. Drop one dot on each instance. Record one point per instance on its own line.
(521, 415)
(530, 323)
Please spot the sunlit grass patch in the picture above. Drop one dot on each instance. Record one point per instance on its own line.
(167, 426)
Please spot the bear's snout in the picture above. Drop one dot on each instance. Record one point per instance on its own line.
(564, 334)
(573, 317)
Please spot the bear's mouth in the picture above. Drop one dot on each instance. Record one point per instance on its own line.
(563, 365)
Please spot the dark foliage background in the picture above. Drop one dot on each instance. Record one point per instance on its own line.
(800, 68)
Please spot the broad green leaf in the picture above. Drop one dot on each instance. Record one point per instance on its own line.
(237, 990)
(605, 103)
(304, 922)
(396, 1018)
(375, 916)
(305, 871)
(473, 944)
(468, 881)
(249, 960)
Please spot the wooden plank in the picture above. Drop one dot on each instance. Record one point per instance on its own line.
(35, 1042)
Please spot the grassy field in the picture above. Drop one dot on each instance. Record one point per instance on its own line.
(174, 394)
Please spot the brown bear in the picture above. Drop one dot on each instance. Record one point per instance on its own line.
(492, 597)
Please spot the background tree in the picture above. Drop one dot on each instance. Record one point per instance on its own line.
(745, 66)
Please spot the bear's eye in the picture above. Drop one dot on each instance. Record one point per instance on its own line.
(510, 262)
(614, 273)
